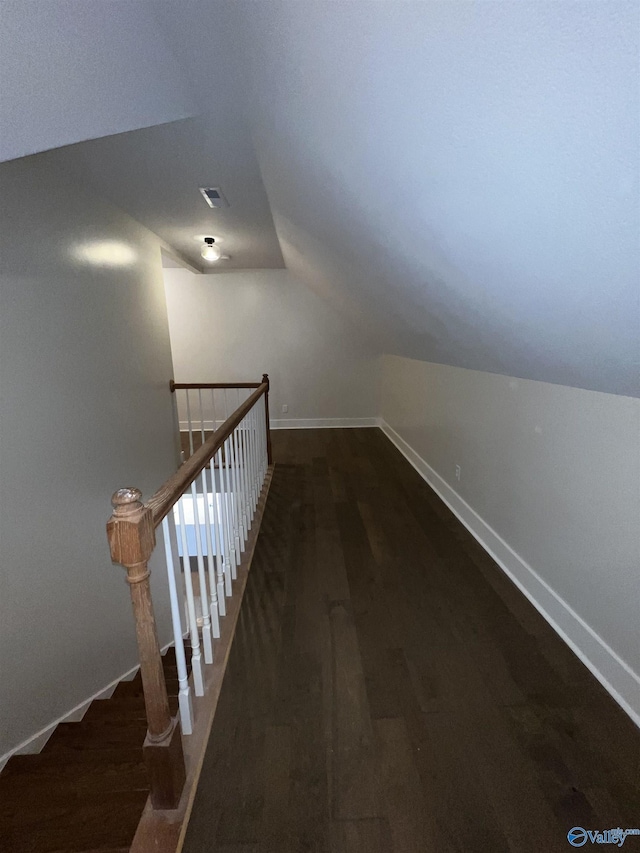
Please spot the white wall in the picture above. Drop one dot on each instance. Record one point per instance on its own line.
(237, 326)
(550, 481)
(84, 409)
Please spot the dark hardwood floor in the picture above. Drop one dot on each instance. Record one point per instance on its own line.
(389, 689)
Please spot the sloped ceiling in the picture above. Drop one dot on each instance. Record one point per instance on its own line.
(460, 178)
(154, 174)
(71, 71)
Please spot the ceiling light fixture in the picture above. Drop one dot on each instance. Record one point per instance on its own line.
(209, 251)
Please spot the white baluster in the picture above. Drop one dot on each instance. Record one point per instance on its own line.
(258, 437)
(213, 609)
(202, 578)
(239, 528)
(184, 692)
(250, 475)
(263, 438)
(229, 550)
(219, 542)
(254, 456)
(260, 434)
(189, 423)
(250, 488)
(258, 444)
(245, 476)
(228, 497)
(238, 489)
(247, 442)
(243, 484)
(238, 493)
(196, 660)
(217, 524)
(229, 493)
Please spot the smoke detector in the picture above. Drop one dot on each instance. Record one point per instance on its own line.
(214, 197)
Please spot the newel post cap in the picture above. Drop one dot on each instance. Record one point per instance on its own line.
(126, 501)
(265, 378)
(130, 529)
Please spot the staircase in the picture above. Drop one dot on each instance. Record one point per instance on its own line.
(85, 792)
(123, 779)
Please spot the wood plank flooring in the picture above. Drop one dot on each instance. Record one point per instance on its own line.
(389, 689)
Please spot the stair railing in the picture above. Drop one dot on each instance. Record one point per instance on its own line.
(205, 510)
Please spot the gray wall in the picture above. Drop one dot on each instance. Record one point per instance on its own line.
(84, 409)
(550, 480)
(237, 326)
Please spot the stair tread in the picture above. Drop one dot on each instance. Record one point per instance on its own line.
(134, 688)
(98, 734)
(117, 705)
(98, 725)
(71, 826)
(19, 764)
(41, 795)
(123, 707)
(106, 770)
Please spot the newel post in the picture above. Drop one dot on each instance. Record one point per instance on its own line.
(131, 536)
(265, 378)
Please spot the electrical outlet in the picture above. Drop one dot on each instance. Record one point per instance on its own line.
(285, 408)
(458, 472)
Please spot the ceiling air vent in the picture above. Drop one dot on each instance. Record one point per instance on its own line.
(213, 196)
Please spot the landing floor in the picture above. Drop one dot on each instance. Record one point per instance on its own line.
(389, 689)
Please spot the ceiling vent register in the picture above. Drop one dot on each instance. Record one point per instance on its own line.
(214, 197)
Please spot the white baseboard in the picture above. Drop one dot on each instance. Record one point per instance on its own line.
(37, 742)
(607, 666)
(323, 423)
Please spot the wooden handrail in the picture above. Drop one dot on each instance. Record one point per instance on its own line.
(170, 491)
(131, 535)
(196, 385)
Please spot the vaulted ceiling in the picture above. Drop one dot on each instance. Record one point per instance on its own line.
(461, 178)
